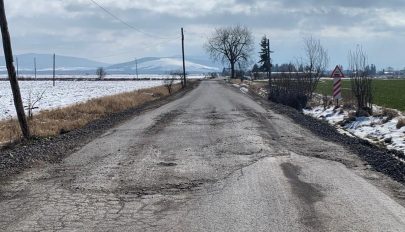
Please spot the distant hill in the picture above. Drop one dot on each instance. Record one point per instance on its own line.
(75, 65)
(160, 65)
(45, 63)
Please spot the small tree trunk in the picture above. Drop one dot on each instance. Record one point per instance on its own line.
(232, 70)
(8, 53)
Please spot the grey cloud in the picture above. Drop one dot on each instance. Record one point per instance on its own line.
(83, 29)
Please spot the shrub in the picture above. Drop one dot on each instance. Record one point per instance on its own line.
(291, 89)
(361, 81)
(101, 73)
(401, 123)
(390, 113)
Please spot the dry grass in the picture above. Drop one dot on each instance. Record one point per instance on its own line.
(56, 121)
(235, 81)
(256, 87)
(401, 123)
(390, 113)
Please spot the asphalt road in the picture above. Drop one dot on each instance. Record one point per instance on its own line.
(214, 160)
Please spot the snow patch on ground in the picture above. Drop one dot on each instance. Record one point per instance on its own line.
(376, 129)
(330, 114)
(244, 88)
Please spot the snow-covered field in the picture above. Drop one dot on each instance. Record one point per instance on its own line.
(376, 129)
(65, 92)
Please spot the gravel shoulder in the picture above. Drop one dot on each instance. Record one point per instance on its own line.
(20, 156)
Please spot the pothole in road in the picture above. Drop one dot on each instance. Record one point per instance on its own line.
(167, 164)
(166, 189)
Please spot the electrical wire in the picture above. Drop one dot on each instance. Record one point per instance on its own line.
(129, 52)
(126, 23)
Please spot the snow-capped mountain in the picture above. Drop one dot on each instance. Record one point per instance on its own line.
(159, 65)
(75, 65)
(45, 63)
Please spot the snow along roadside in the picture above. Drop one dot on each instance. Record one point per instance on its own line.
(376, 129)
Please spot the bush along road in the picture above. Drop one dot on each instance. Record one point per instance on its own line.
(213, 160)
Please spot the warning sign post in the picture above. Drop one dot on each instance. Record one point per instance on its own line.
(337, 76)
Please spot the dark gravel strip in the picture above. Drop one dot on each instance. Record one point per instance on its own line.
(381, 159)
(20, 156)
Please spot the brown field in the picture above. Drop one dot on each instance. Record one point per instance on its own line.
(52, 122)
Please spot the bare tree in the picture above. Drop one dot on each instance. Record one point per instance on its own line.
(179, 75)
(101, 73)
(361, 81)
(315, 63)
(168, 83)
(295, 88)
(32, 100)
(230, 44)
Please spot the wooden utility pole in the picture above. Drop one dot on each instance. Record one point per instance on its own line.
(12, 76)
(53, 78)
(35, 67)
(184, 62)
(16, 61)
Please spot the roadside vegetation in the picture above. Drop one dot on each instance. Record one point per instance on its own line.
(62, 120)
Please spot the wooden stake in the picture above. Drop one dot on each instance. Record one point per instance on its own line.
(53, 69)
(12, 75)
(35, 67)
(136, 65)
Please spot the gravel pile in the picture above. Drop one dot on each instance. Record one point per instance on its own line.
(19, 156)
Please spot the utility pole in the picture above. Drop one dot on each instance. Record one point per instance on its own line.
(12, 76)
(269, 64)
(16, 60)
(184, 62)
(54, 69)
(136, 66)
(35, 67)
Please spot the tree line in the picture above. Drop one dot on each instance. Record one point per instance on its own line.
(294, 83)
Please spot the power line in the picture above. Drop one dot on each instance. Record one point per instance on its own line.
(131, 52)
(125, 23)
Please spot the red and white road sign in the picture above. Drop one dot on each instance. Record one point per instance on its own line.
(337, 75)
(337, 88)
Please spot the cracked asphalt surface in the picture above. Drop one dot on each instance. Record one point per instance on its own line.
(214, 160)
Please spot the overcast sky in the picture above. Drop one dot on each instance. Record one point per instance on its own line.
(80, 28)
